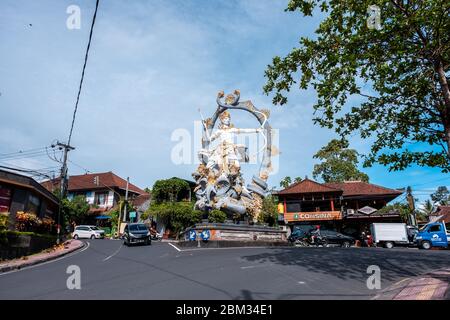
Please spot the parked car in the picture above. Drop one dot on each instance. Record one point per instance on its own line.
(136, 233)
(89, 232)
(334, 237)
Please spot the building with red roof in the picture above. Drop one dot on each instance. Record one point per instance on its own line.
(102, 190)
(349, 204)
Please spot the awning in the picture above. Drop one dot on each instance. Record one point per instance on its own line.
(103, 217)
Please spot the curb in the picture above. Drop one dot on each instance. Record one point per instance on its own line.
(49, 257)
(434, 285)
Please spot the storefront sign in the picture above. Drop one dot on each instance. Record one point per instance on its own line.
(313, 216)
(367, 210)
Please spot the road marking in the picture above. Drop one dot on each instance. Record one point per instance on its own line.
(173, 246)
(227, 248)
(47, 262)
(115, 252)
(248, 267)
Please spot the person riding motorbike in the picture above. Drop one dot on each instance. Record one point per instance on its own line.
(316, 236)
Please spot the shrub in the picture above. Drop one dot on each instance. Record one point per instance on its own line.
(27, 221)
(269, 212)
(217, 216)
(4, 217)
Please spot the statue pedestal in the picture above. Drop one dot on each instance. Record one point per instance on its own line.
(240, 234)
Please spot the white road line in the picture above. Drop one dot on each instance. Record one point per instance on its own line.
(173, 246)
(115, 252)
(227, 248)
(47, 262)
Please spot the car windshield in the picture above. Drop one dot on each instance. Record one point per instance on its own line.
(138, 227)
(95, 228)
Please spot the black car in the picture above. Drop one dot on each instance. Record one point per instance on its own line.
(334, 237)
(136, 233)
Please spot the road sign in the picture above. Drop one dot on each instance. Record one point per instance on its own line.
(205, 235)
(132, 214)
(192, 235)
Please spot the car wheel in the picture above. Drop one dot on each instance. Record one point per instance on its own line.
(345, 244)
(92, 237)
(389, 245)
(426, 245)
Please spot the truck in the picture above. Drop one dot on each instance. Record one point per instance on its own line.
(389, 235)
(433, 234)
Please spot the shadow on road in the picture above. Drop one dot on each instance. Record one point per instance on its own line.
(351, 264)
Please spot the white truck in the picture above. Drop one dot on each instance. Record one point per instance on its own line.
(389, 235)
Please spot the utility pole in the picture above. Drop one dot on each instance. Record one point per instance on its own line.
(126, 202)
(411, 204)
(64, 182)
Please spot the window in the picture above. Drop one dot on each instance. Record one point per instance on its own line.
(5, 199)
(138, 227)
(435, 228)
(293, 207)
(101, 198)
(33, 204)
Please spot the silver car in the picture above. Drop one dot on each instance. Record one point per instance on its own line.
(89, 232)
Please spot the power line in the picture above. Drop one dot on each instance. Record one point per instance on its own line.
(21, 152)
(79, 166)
(82, 73)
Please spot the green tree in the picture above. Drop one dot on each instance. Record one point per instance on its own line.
(269, 211)
(217, 216)
(427, 208)
(402, 208)
(441, 196)
(285, 182)
(338, 163)
(177, 216)
(297, 179)
(169, 190)
(389, 84)
(74, 210)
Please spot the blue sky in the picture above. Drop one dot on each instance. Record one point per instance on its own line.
(152, 65)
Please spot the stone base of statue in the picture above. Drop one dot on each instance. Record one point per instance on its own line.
(232, 235)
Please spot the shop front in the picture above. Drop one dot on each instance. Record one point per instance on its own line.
(347, 207)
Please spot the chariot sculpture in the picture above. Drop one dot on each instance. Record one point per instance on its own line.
(220, 185)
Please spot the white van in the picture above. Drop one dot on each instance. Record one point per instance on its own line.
(389, 234)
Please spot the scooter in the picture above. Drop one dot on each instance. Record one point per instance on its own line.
(156, 236)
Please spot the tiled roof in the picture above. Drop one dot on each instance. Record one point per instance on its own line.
(353, 188)
(308, 186)
(441, 214)
(86, 182)
(347, 188)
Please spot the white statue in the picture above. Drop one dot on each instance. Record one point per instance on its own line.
(225, 153)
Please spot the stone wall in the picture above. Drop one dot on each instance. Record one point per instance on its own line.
(15, 245)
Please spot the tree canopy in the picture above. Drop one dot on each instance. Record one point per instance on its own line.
(173, 189)
(441, 196)
(388, 83)
(286, 181)
(75, 210)
(338, 163)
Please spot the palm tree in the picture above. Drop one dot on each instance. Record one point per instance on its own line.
(427, 208)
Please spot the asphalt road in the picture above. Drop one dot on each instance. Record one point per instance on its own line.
(112, 271)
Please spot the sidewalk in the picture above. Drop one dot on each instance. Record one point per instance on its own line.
(431, 286)
(46, 255)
